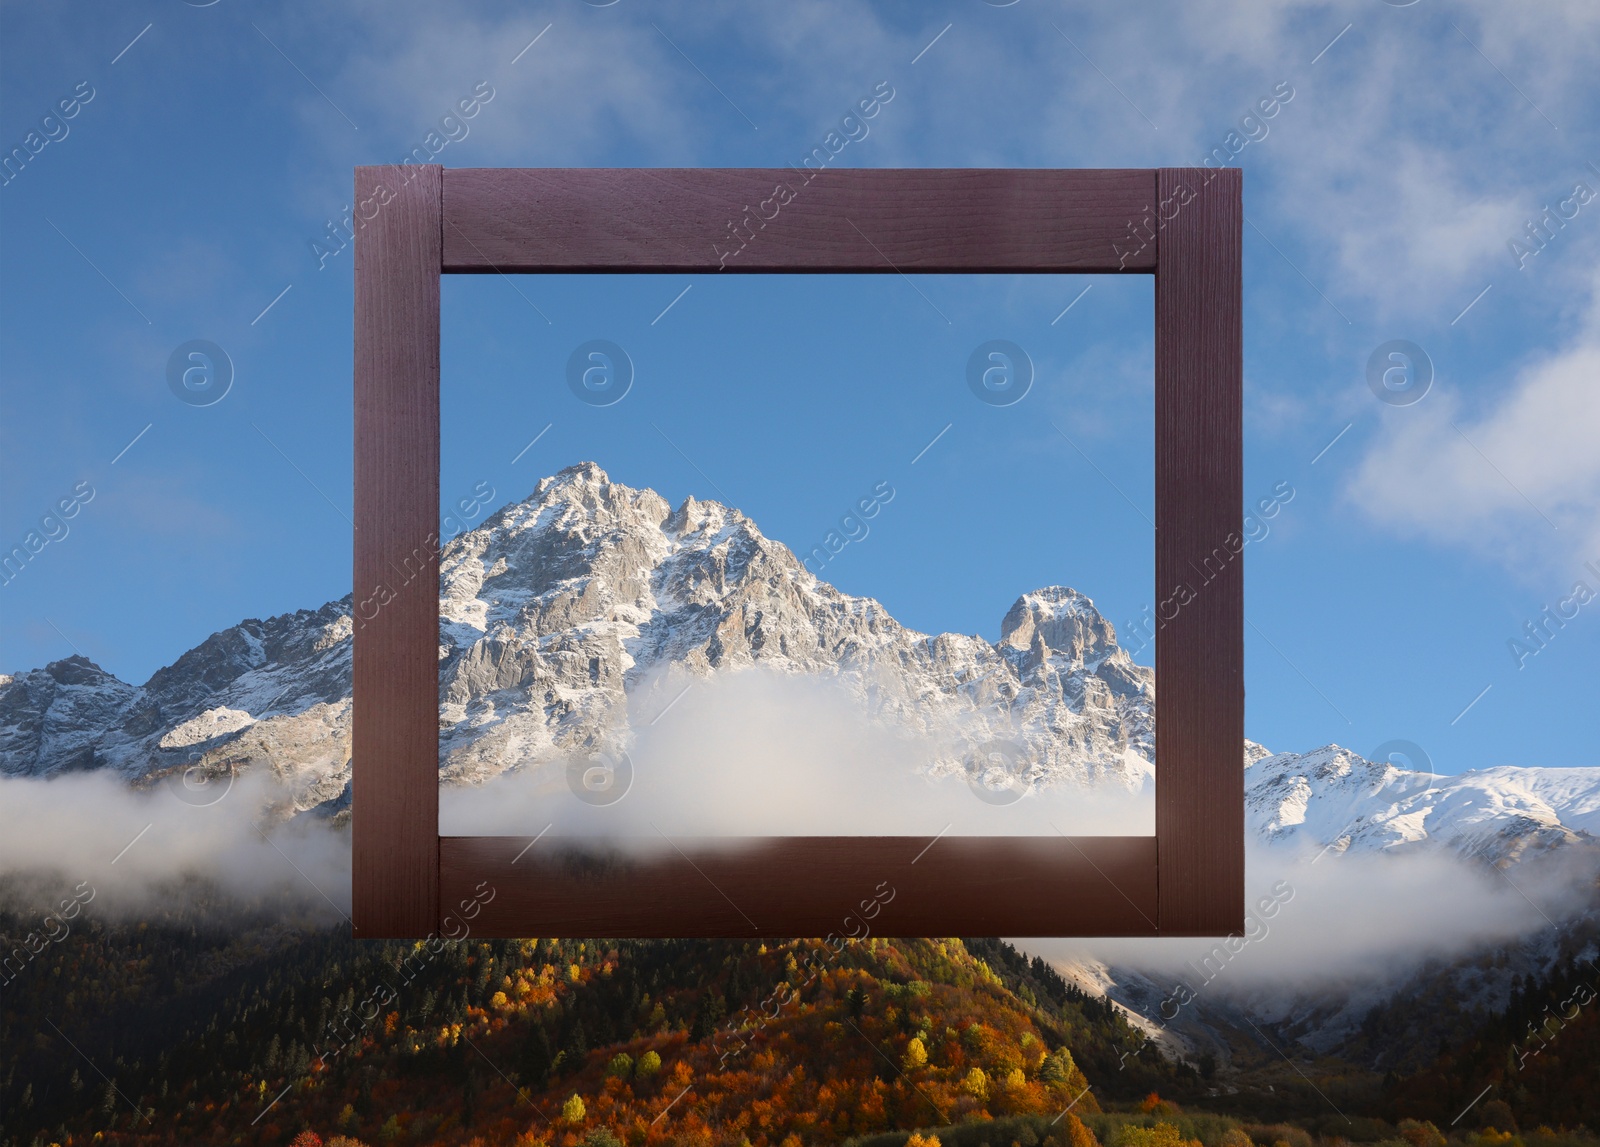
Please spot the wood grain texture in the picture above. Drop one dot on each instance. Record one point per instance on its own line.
(1184, 224)
(1199, 544)
(395, 722)
(804, 886)
(796, 220)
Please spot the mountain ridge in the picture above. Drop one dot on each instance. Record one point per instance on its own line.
(560, 612)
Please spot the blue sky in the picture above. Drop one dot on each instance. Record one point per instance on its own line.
(182, 200)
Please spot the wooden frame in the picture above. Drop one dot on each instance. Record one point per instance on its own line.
(1181, 224)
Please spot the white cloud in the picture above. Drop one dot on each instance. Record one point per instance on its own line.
(1519, 480)
(755, 753)
(1373, 176)
(1418, 231)
(135, 848)
(1369, 919)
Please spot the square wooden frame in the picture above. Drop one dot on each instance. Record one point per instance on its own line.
(1181, 224)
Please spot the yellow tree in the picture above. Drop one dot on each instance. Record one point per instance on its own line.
(976, 1084)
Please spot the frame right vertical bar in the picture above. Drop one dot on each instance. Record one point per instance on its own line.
(1199, 376)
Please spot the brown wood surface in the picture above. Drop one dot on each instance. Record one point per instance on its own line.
(395, 723)
(1183, 223)
(804, 886)
(1199, 528)
(926, 220)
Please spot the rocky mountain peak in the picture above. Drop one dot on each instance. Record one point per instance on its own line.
(580, 482)
(695, 517)
(560, 609)
(76, 670)
(1060, 620)
(51, 718)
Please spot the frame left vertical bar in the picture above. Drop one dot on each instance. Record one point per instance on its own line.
(395, 719)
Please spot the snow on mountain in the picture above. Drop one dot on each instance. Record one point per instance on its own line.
(561, 617)
(567, 618)
(1335, 801)
(1571, 794)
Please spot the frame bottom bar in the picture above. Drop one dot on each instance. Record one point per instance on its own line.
(847, 886)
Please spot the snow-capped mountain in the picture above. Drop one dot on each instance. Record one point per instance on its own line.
(566, 619)
(269, 694)
(562, 608)
(559, 616)
(1331, 800)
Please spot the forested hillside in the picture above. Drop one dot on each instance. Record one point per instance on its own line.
(208, 1024)
(250, 1034)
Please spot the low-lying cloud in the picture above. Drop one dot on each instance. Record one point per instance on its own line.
(137, 848)
(758, 754)
(1363, 918)
(755, 753)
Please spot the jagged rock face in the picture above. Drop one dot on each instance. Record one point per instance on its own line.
(559, 613)
(51, 719)
(569, 619)
(1057, 620)
(559, 616)
(272, 694)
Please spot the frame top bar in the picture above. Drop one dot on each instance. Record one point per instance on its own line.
(798, 220)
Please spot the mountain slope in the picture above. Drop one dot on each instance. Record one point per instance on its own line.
(562, 608)
(569, 618)
(487, 1041)
(563, 611)
(1331, 799)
